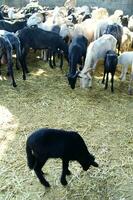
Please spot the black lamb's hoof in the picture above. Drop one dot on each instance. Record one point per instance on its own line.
(63, 182)
(46, 184)
(68, 172)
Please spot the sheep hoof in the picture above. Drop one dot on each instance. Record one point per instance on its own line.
(27, 71)
(8, 74)
(112, 90)
(14, 85)
(46, 184)
(24, 77)
(63, 182)
(68, 172)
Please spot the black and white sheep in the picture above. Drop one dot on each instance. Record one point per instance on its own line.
(48, 143)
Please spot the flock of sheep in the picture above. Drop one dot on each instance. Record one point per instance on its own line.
(89, 33)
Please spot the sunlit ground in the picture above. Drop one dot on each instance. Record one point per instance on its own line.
(103, 119)
(8, 128)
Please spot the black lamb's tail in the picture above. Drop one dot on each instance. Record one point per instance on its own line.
(30, 157)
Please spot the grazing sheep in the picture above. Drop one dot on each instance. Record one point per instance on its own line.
(126, 60)
(95, 51)
(48, 143)
(76, 54)
(110, 64)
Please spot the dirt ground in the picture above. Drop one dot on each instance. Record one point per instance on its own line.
(103, 119)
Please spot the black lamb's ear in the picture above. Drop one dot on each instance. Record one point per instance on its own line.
(94, 164)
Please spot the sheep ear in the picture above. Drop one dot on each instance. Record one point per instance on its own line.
(94, 164)
(79, 75)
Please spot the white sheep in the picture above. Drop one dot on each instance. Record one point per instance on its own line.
(86, 28)
(126, 60)
(100, 13)
(126, 41)
(96, 50)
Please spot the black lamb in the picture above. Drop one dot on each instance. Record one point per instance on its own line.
(48, 143)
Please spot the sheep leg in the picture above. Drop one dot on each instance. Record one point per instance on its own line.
(107, 78)
(17, 65)
(119, 48)
(0, 66)
(130, 89)
(103, 78)
(10, 68)
(90, 79)
(44, 55)
(24, 53)
(22, 61)
(40, 174)
(50, 61)
(65, 171)
(123, 72)
(112, 83)
(54, 55)
(18, 54)
(61, 60)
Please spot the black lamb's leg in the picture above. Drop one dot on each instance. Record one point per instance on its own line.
(65, 171)
(40, 174)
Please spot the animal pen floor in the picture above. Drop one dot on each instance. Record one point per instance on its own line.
(103, 119)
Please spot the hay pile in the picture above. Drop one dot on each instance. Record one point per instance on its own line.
(103, 119)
